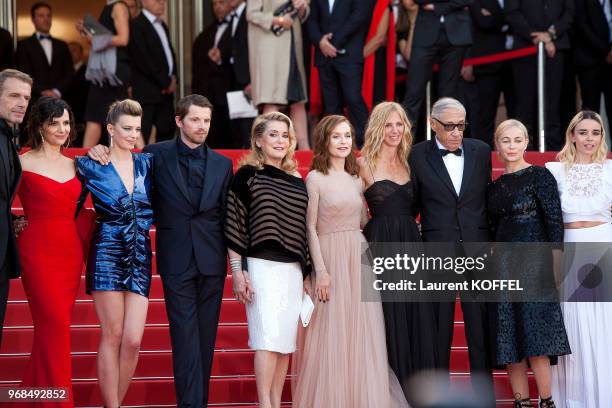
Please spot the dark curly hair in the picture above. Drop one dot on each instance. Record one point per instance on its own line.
(43, 112)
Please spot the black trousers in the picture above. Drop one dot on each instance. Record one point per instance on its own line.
(241, 133)
(525, 72)
(162, 116)
(422, 60)
(477, 333)
(490, 87)
(219, 134)
(593, 82)
(193, 303)
(340, 84)
(4, 291)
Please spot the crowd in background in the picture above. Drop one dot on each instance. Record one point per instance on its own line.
(334, 57)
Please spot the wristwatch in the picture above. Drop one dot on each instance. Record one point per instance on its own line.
(553, 32)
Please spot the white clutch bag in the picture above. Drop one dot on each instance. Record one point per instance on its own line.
(307, 309)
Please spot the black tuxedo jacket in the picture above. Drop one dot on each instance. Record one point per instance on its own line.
(182, 228)
(446, 216)
(8, 244)
(349, 23)
(32, 60)
(488, 36)
(208, 78)
(7, 57)
(527, 16)
(77, 93)
(456, 21)
(592, 33)
(240, 53)
(148, 61)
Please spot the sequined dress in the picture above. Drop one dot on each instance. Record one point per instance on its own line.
(120, 252)
(524, 207)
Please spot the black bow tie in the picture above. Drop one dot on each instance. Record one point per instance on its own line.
(44, 37)
(444, 152)
(194, 153)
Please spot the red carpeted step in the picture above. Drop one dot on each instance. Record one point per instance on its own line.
(150, 364)
(85, 339)
(18, 313)
(153, 392)
(16, 291)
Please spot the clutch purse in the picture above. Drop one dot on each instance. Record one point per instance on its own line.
(307, 309)
(283, 10)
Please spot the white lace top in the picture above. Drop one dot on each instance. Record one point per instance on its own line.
(585, 190)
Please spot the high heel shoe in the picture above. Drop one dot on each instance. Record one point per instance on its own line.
(523, 403)
(547, 403)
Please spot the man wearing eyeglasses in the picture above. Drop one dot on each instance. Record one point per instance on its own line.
(451, 175)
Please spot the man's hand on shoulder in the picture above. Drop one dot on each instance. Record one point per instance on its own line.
(99, 153)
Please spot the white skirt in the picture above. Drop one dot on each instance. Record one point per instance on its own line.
(583, 378)
(274, 312)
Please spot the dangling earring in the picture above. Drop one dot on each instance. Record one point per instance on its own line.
(110, 138)
(42, 139)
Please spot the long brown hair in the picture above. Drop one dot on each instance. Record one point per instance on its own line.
(321, 135)
(256, 157)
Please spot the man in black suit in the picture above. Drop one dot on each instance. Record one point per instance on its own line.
(7, 58)
(15, 91)
(239, 60)
(339, 28)
(47, 60)
(191, 184)
(212, 71)
(153, 69)
(451, 175)
(491, 36)
(593, 52)
(531, 22)
(442, 32)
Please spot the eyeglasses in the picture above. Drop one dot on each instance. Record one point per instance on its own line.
(449, 127)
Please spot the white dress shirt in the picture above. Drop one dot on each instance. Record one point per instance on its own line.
(607, 8)
(331, 5)
(237, 14)
(46, 45)
(454, 166)
(219, 33)
(159, 28)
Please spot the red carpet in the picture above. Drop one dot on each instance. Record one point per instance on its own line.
(233, 382)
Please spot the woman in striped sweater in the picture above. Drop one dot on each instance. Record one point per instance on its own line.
(266, 236)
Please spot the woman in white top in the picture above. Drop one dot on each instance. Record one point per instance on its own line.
(584, 179)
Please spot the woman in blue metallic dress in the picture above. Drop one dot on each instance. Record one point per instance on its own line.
(119, 262)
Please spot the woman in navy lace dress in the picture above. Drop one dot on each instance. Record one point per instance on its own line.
(524, 206)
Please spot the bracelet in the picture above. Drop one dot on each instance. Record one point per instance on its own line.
(236, 265)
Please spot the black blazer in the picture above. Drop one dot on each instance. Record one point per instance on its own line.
(7, 57)
(240, 53)
(148, 61)
(527, 16)
(592, 33)
(8, 244)
(456, 21)
(488, 36)
(181, 228)
(76, 96)
(445, 216)
(208, 78)
(32, 60)
(349, 23)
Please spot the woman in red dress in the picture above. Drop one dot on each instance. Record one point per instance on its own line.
(50, 250)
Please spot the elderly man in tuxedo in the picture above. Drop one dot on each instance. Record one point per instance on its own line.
(451, 175)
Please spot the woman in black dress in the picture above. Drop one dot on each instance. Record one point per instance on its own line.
(410, 328)
(524, 206)
(116, 17)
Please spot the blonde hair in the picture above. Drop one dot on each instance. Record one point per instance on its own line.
(375, 134)
(127, 107)
(509, 124)
(256, 157)
(567, 155)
